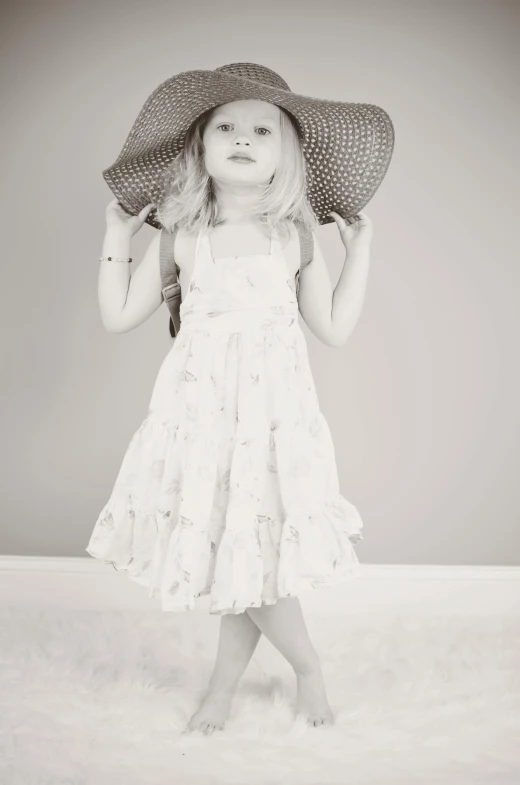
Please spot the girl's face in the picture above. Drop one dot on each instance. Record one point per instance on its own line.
(248, 127)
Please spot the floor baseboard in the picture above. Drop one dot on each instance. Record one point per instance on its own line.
(378, 588)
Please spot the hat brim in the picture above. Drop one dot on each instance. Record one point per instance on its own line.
(347, 146)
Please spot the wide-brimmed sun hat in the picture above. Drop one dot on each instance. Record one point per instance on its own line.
(347, 146)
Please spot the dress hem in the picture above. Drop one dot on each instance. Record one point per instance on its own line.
(304, 586)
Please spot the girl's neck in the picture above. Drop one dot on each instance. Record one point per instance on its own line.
(231, 204)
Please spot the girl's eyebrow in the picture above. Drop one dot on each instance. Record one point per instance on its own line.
(261, 120)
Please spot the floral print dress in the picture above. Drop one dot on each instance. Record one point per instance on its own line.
(229, 487)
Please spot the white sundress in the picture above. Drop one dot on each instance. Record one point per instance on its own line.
(229, 487)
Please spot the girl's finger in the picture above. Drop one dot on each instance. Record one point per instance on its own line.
(339, 220)
(145, 210)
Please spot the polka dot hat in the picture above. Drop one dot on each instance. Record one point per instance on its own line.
(347, 146)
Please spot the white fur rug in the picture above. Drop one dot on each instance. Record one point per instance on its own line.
(93, 698)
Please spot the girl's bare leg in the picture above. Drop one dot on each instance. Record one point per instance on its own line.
(283, 624)
(238, 638)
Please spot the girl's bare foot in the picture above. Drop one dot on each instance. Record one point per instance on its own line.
(238, 638)
(311, 698)
(212, 713)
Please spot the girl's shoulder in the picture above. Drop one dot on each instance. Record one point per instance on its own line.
(291, 250)
(184, 248)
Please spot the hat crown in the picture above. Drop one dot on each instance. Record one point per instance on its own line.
(258, 73)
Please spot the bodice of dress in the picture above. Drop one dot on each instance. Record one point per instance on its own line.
(239, 292)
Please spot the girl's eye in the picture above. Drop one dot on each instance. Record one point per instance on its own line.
(262, 127)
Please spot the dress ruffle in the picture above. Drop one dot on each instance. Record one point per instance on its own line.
(229, 487)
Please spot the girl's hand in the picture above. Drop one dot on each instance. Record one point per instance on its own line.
(117, 218)
(357, 234)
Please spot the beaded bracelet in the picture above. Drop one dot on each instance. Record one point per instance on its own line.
(113, 259)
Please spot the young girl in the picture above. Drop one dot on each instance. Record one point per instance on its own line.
(229, 487)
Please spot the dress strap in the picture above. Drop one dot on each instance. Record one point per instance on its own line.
(197, 245)
(276, 248)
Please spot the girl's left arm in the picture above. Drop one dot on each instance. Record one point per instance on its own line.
(349, 294)
(330, 313)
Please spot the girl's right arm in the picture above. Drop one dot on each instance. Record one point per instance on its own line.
(125, 300)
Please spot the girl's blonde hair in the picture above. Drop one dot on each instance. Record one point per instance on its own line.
(190, 199)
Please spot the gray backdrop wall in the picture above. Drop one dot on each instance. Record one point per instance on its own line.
(423, 399)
